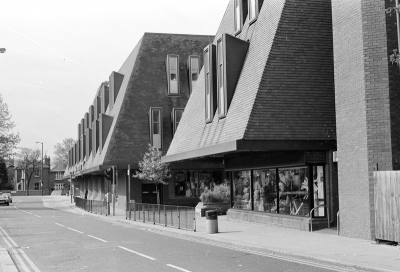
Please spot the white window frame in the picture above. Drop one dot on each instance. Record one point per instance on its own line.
(156, 139)
(193, 69)
(170, 70)
(174, 119)
(221, 88)
(209, 79)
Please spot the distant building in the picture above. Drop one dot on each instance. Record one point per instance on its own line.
(140, 104)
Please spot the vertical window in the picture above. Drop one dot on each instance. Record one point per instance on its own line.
(176, 116)
(172, 65)
(37, 172)
(220, 76)
(193, 71)
(254, 8)
(155, 118)
(37, 186)
(240, 14)
(210, 82)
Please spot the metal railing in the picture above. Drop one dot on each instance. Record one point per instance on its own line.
(327, 211)
(180, 217)
(93, 206)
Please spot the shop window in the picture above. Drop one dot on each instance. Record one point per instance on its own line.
(36, 172)
(254, 9)
(293, 191)
(193, 66)
(283, 191)
(194, 183)
(240, 14)
(242, 190)
(176, 116)
(172, 64)
(210, 82)
(318, 191)
(264, 190)
(155, 124)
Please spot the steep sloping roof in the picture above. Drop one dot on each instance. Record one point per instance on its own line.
(145, 85)
(285, 90)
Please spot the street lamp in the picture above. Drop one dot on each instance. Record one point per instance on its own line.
(2, 50)
(41, 171)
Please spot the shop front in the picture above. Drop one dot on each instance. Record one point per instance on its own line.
(285, 195)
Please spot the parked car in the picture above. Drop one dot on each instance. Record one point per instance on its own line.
(5, 198)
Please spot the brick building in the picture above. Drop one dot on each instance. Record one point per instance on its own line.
(264, 109)
(140, 104)
(367, 107)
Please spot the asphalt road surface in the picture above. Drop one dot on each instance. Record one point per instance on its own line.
(47, 239)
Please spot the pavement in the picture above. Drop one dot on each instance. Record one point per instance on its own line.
(323, 246)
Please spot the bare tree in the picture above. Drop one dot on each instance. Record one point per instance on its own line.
(60, 158)
(28, 160)
(8, 140)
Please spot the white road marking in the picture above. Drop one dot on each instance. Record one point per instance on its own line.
(179, 268)
(140, 254)
(76, 230)
(60, 225)
(20, 261)
(29, 260)
(98, 238)
(6, 237)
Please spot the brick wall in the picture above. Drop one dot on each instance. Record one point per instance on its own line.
(362, 109)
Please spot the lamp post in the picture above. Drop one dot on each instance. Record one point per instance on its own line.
(41, 171)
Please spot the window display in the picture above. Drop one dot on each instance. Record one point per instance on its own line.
(241, 189)
(280, 190)
(264, 190)
(293, 191)
(193, 183)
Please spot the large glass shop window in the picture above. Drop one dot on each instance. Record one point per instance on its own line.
(194, 183)
(241, 190)
(282, 190)
(293, 191)
(264, 190)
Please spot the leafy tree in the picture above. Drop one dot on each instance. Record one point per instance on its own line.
(8, 140)
(151, 168)
(28, 160)
(61, 152)
(4, 185)
(395, 56)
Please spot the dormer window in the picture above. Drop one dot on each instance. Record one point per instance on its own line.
(176, 116)
(155, 122)
(221, 83)
(193, 66)
(172, 64)
(210, 82)
(240, 14)
(231, 53)
(254, 9)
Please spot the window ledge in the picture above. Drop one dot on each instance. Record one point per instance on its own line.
(253, 21)
(238, 32)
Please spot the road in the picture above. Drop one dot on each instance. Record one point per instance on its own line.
(39, 238)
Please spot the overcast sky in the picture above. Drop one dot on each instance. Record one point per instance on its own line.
(59, 52)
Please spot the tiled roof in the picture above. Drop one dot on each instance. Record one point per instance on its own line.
(285, 90)
(145, 85)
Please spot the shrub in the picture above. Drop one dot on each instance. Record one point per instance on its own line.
(221, 193)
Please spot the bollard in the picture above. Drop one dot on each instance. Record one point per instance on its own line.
(211, 222)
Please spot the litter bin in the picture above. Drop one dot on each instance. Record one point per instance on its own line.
(211, 222)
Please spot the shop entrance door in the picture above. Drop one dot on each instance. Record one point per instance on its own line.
(149, 193)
